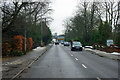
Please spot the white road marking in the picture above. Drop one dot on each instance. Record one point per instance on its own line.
(67, 47)
(76, 58)
(98, 78)
(71, 55)
(84, 66)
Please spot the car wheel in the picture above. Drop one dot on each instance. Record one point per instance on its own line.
(80, 49)
(71, 49)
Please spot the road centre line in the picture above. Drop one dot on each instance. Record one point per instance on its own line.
(84, 66)
(71, 55)
(98, 78)
(76, 58)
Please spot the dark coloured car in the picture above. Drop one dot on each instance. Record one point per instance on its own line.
(76, 46)
(56, 43)
(66, 43)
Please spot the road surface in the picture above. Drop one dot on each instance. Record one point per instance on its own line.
(60, 62)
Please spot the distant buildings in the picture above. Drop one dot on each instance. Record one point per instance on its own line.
(60, 38)
(57, 37)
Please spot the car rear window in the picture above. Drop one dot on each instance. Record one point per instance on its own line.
(76, 43)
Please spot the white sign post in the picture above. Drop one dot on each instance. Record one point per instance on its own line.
(110, 42)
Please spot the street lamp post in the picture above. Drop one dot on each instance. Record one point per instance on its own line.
(25, 34)
(42, 24)
(41, 28)
(118, 14)
(119, 8)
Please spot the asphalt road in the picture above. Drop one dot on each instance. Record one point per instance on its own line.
(60, 62)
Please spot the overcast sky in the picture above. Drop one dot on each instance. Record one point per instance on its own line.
(62, 9)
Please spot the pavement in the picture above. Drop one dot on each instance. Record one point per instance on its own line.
(60, 62)
(114, 55)
(13, 66)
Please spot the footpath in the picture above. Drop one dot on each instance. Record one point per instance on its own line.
(114, 55)
(13, 66)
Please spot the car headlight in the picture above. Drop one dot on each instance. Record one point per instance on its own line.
(73, 46)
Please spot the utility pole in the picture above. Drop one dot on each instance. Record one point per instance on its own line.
(118, 14)
(119, 9)
(118, 23)
(119, 29)
(25, 34)
(45, 21)
(41, 29)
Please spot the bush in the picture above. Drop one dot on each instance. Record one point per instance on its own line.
(16, 53)
(6, 48)
(15, 47)
(29, 44)
(18, 42)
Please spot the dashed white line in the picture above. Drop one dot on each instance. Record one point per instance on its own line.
(76, 58)
(84, 66)
(98, 78)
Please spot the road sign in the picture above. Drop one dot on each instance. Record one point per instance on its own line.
(109, 42)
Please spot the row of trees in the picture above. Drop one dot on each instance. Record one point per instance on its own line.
(29, 19)
(94, 22)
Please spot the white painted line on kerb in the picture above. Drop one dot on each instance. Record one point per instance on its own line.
(84, 66)
(76, 58)
(98, 78)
